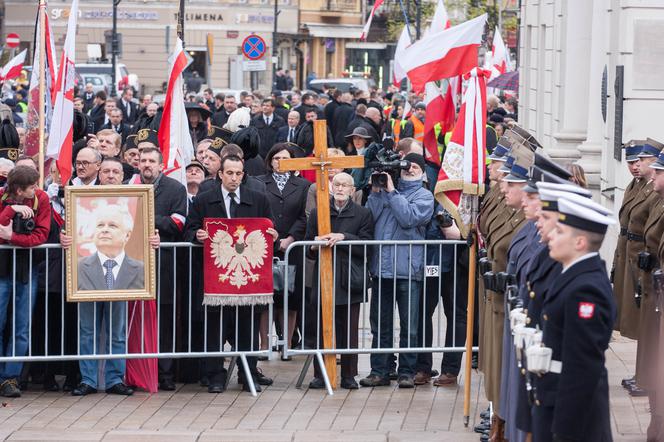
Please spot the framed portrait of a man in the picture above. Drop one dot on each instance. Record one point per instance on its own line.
(110, 258)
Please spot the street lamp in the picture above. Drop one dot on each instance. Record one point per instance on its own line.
(114, 47)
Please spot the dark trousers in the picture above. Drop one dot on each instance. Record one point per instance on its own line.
(542, 423)
(166, 342)
(222, 323)
(346, 323)
(455, 332)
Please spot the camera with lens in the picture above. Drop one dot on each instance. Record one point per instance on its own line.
(444, 219)
(23, 225)
(383, 159)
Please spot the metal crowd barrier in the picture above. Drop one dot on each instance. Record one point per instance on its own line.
(54, 325)
(430, 294)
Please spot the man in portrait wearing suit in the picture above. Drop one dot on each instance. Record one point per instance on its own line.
(109, 268)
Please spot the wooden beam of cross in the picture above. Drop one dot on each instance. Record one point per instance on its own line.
(321, 163)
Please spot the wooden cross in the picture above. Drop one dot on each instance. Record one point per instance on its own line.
(321, 163)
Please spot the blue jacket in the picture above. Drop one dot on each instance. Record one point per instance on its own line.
(400, 215)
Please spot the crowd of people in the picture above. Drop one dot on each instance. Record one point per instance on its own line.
(545, 307)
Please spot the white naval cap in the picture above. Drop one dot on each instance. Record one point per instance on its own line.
(549, 198)
(567, 187)
(582, 216)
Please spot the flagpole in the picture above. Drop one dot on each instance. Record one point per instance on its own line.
(470, 315)
(42, 88)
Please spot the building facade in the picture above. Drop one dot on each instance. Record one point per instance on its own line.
(590, 81)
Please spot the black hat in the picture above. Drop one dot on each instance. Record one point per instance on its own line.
(195, 163)
(190, 107)
(147, 136)
(130, 142)
(9, 140)
(537, 175)
(534, 144)
(219, 132)
(547, 165)
(416, 158)
(249, 140)
(359, 132)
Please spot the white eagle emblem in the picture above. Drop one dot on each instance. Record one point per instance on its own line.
(238, 257)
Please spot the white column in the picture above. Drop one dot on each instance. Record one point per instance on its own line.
(591, 149)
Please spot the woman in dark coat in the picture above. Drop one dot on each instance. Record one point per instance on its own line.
(287, 194)
(349, 222)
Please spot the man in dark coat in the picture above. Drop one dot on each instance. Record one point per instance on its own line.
(127, 106)
(222, 203)
(572, 394)
(267, 124)
(120, 127)
(170, 207)
(221, 116)
(330, 108)
(349, 222)
(343, 115)
(362, 120)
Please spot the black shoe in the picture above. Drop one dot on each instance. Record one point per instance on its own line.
(434, 373)
(349, 384)
(627, 381)
(406, 382)
(474, 362)
(481, 428)
(375, 381)
(317, 384)
(67, 387)
(393, 375)
(215, 388)
(83, 390)
(637, 391)
(167, 385)
(120, 389)
(245, 387)
(486, 414)
(259, 378)
(9, 388)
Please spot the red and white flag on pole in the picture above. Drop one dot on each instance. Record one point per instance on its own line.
(440, 21)
(440, 110)
(444, 54)
(462, 172)
(60, 139)
(500, 56)
(398, 72)
(13, 67)
(32, 120)
(367, 25)
(174, 139)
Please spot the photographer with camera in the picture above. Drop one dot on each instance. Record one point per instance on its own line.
(25, 221)
(400, 212)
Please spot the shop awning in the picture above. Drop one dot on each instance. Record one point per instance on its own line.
(328, 31)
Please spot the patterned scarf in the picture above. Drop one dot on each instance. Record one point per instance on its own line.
(281, 179)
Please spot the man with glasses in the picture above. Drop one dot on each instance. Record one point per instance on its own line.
(87, 166)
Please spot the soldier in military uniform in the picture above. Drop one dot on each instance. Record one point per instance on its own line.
(632, 149)
(648, 261)
(642, 207)
(495, 308)
(656, 395)
(571, 393)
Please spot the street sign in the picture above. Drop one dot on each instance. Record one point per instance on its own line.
(254, 47)
(254, 65)
(13, 40)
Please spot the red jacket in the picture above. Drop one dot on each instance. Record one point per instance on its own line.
(42, 221)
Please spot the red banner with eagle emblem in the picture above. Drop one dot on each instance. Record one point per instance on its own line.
(237, 261)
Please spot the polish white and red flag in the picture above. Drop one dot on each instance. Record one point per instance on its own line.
(367, 25)
(440, 110)
(462, 172)
(31, 144)
(398, 72)
(440, 20)
(444, 54)
(174, 139)
(13, 67)
(500, 57)
(60, 140)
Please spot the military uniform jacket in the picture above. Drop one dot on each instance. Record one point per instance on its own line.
(577, 319)
(491, 200)
(619, 269)
(648, 316)
(522, 251)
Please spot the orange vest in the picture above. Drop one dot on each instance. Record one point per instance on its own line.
(396, 129)
(418, 129)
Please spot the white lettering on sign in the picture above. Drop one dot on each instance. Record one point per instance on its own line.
(99, 14)
(432, 271)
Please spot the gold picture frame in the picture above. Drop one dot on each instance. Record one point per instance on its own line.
(110, 223)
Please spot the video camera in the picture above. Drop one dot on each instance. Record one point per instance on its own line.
(382, 158)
